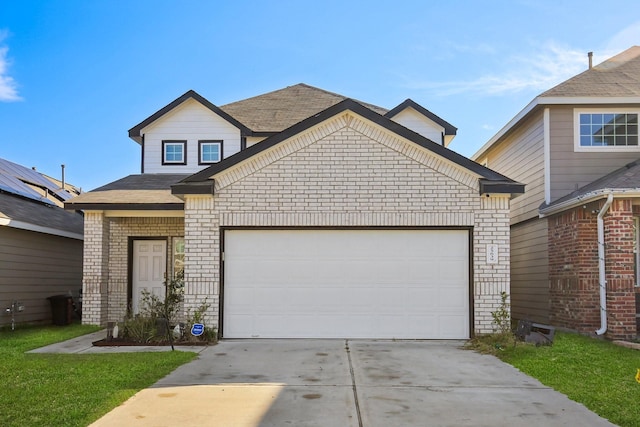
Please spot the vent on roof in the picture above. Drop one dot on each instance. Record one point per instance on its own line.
(590, 55)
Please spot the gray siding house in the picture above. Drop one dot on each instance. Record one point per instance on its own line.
(40, 242)
(566, 139)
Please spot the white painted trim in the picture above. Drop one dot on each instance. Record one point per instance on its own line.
(144, 214)
(561, 100)
(606, 148)
(39, 229)
(589, 197)
(547, 155)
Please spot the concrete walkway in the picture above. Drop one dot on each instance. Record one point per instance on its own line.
(347, 383)
(84, 344)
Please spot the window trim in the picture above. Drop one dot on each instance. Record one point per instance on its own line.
(605, 148)
(201, 142)
(165, 143)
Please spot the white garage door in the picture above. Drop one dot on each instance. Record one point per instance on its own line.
(346, 284)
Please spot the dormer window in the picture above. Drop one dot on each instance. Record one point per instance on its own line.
(209, 151)
(174, 152)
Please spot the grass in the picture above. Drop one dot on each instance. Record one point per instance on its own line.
(596, 373)
(70, 389)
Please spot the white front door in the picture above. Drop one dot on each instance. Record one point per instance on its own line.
(149, 268)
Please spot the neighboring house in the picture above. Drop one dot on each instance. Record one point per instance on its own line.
(302, 213)
(574, 147)
(40, 242)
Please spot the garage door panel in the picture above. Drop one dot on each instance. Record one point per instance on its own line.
(346, 284)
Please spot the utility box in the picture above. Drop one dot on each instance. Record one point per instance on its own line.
(61, 309)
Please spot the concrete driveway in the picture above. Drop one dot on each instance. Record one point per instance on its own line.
(347, 383)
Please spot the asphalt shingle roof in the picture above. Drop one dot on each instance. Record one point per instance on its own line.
(627, 178)
(618, 76)
(34, 212)
(133, 189)
(278, 110)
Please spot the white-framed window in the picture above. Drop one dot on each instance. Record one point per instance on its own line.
(174, 152)
(209, 151)
(606, 129)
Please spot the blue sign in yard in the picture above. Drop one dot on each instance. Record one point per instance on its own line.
(197, 329)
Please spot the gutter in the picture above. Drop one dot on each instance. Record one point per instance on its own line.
(601, 266)
(587, 198)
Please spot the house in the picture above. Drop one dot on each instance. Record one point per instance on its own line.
(302, 213)
(575, 147)
(40, 243)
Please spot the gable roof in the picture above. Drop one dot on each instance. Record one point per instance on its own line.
(624, 181)
(449, 129)
(490, 181)
(261, 115)
(134, 132)
(614, 81)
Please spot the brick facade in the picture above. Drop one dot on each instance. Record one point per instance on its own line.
(345, 172)
(106, 266)
(574, 272)
(348, 173)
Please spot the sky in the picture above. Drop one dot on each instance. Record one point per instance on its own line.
(76, 75)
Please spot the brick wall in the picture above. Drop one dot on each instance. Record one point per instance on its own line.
(347, 172)
(106, 274)
(574, 272)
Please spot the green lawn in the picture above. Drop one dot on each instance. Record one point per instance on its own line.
(594, 372)
(70, 389)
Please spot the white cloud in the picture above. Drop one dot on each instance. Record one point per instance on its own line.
(546, 66)
(8, 87)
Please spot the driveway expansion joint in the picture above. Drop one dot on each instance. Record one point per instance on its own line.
(353, 382)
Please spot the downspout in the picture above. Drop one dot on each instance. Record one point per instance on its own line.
(601, 266)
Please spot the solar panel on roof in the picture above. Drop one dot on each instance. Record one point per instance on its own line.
(13, 179)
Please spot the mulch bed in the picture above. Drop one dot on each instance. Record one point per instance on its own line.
(121, 343)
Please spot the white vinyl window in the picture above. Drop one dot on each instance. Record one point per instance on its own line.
(606, 130)
(209, 152)
(174, 152)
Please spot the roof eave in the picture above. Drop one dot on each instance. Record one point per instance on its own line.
(589, 197)
(135, 132)
(123, 206)
(552, 100)
(206, 187)
(501, 187)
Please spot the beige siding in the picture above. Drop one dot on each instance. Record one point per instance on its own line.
(34, 266)
(418, 123)
(520, 156)
(530, 271)
(571, 170)
(191, 121)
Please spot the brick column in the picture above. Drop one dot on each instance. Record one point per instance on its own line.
(621, 305)
(95, 268)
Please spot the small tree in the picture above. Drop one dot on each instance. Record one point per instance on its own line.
(502, 316)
